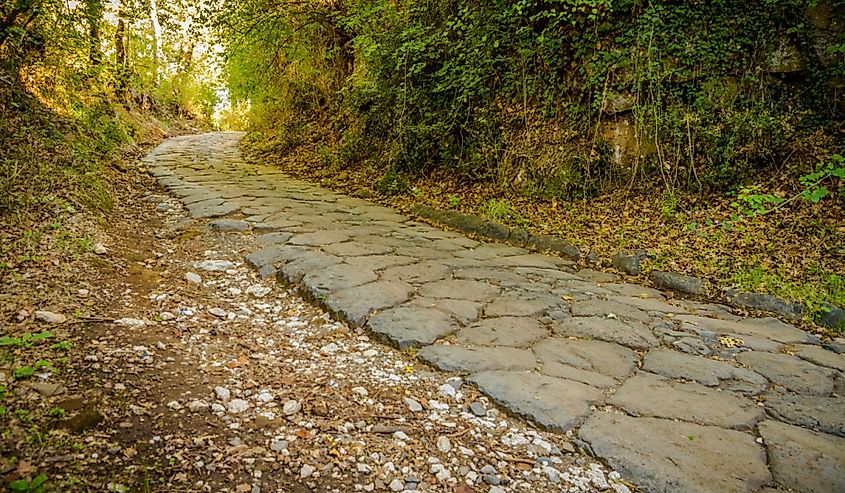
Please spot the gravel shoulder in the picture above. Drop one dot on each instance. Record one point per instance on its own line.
(176, 368)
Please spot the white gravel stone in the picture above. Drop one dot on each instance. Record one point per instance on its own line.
(237, 406)
(214, 265)
(444, 444)
(197, 406)
(193, 278)
(413, 405)
(291, 407)
(396, 485)
(306, 471)
(222, 393)
(50, 317)
(217, 312)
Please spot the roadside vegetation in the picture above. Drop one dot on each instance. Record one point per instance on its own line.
(707, 133)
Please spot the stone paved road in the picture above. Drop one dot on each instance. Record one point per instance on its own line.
(677, 395)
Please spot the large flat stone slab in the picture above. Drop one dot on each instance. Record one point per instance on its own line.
(793, 373)
(597, 363)
(647, 394)
(821, 357)
(608, 309)
(460, 289)
(309, 261)
(356, 249)
(504, 331)
(824, 414)
(335, 277)
(556, 403)
(469, 360)
(521, 304)
(354, 305)
(764, 328)
(626, 333)
(272, 254)
(664, 456)
(712, 373)
(411, 326)
(319, 238)
(804, 460)
(417, 273)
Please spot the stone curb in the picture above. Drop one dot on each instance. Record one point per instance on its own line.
(499, 232)
(832, 317)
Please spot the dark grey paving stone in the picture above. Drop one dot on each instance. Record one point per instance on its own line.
(491, 274)
(490, 251)
(412, 326)
(521, 304)
(647, 394)
(464, 359)
(648, 304)
(608, 309)
(634, 290)
(309, 261)
(824, 414)
(709, 372)
(356, 248)
(664, 456)
(320, 283)
(560, 355)
(504, 331)
(804, 460)
(208, 209)
(790, 372)
(379, 262)
(229, 225)
(465, 311)
(272, 254)
(597, 276)
(557, 404)
(529, 260)
(821, 357)
(319, 238)
(354, 305)
(631, 333)
(273, 238)
(764, 328)
(677, 282)
(422, 272)
(460, 289)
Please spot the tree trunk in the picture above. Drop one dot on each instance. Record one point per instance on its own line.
(120, 53)
(93, 14)
(158, 40)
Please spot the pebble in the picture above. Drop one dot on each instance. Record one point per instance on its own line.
(100, 249)
(237, 406)
(364, 468)
(413, 405)
(50, 317)
(447, 390)
(478, 409)
(258, 290)
(306, 471)
(130, 322)
(174, 405)
(222, 393)
(214, 265)
(217, 312)
(193, 278)
(360, 391)
(443, 444)
(83, 292)
(278, 445)
(291, 407)
(197, 406)
(496, 489)
(396, 485)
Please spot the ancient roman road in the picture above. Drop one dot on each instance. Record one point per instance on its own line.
(679, 396)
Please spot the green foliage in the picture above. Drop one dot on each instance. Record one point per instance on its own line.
(36, 485)
(814, 191)
(751, 203)
(27, 340)
(425, 84)
(23, 372)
